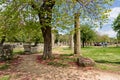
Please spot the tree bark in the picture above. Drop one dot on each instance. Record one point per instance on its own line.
(71, 42)
(2, 41)
(83, 43)
(45, 17)
(47, 53)
(77, 45)
(53, 39)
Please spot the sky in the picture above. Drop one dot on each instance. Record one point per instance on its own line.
(107, 27)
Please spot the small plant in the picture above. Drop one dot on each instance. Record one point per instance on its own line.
(6, 77)
(4, 66)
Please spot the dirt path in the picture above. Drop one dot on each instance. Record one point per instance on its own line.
(29, 69)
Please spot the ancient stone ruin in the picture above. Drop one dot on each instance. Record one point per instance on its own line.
(85, 62)
(6, 52)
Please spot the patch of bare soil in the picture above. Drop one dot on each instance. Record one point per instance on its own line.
(30, 69)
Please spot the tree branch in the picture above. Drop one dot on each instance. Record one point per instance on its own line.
(34, 6)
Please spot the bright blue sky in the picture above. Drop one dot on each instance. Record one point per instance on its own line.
(107, 27)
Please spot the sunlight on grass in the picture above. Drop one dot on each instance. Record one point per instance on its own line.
(109, 54)
(108, 67)
(6, 77)
(107, 58)
(102, 66)
(21, 51)
(62, 50)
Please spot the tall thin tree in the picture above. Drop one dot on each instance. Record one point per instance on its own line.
(77, 45)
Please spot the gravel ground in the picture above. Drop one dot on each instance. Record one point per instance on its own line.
(29, 69)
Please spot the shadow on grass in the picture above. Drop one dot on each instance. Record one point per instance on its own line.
(114, 47)
(20, 52)
(4, 66)
(103, 61)
(66, 54)
(87, 47)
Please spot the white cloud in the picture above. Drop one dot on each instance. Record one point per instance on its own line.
(114, 13)
(109, 32)
(97, 29)
(107, 29)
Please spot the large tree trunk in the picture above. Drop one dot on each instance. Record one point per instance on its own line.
(45, 17)
(2, 55)
(83, 43)
(2, 41)
(77, 45)
(47, 53)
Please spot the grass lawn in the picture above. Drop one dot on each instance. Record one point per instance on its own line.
(103, 55)
(106, 58)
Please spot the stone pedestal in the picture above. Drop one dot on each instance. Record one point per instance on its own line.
(34, 49)
(27, 49)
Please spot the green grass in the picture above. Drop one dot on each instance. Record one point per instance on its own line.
(4, 66)
(17, 51)
(103, 55)
(6, 77)
(106, 58)
(62, 50)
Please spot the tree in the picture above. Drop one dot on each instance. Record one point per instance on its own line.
(77, 45)
(6, 32)
(44, 13)
(101, 38)
(43, 9)
(71, 42)
(116, 26)
(63, 38)
(87, 34)
(30, 32)
(87, 9)
(45, 17)
(105, 38)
